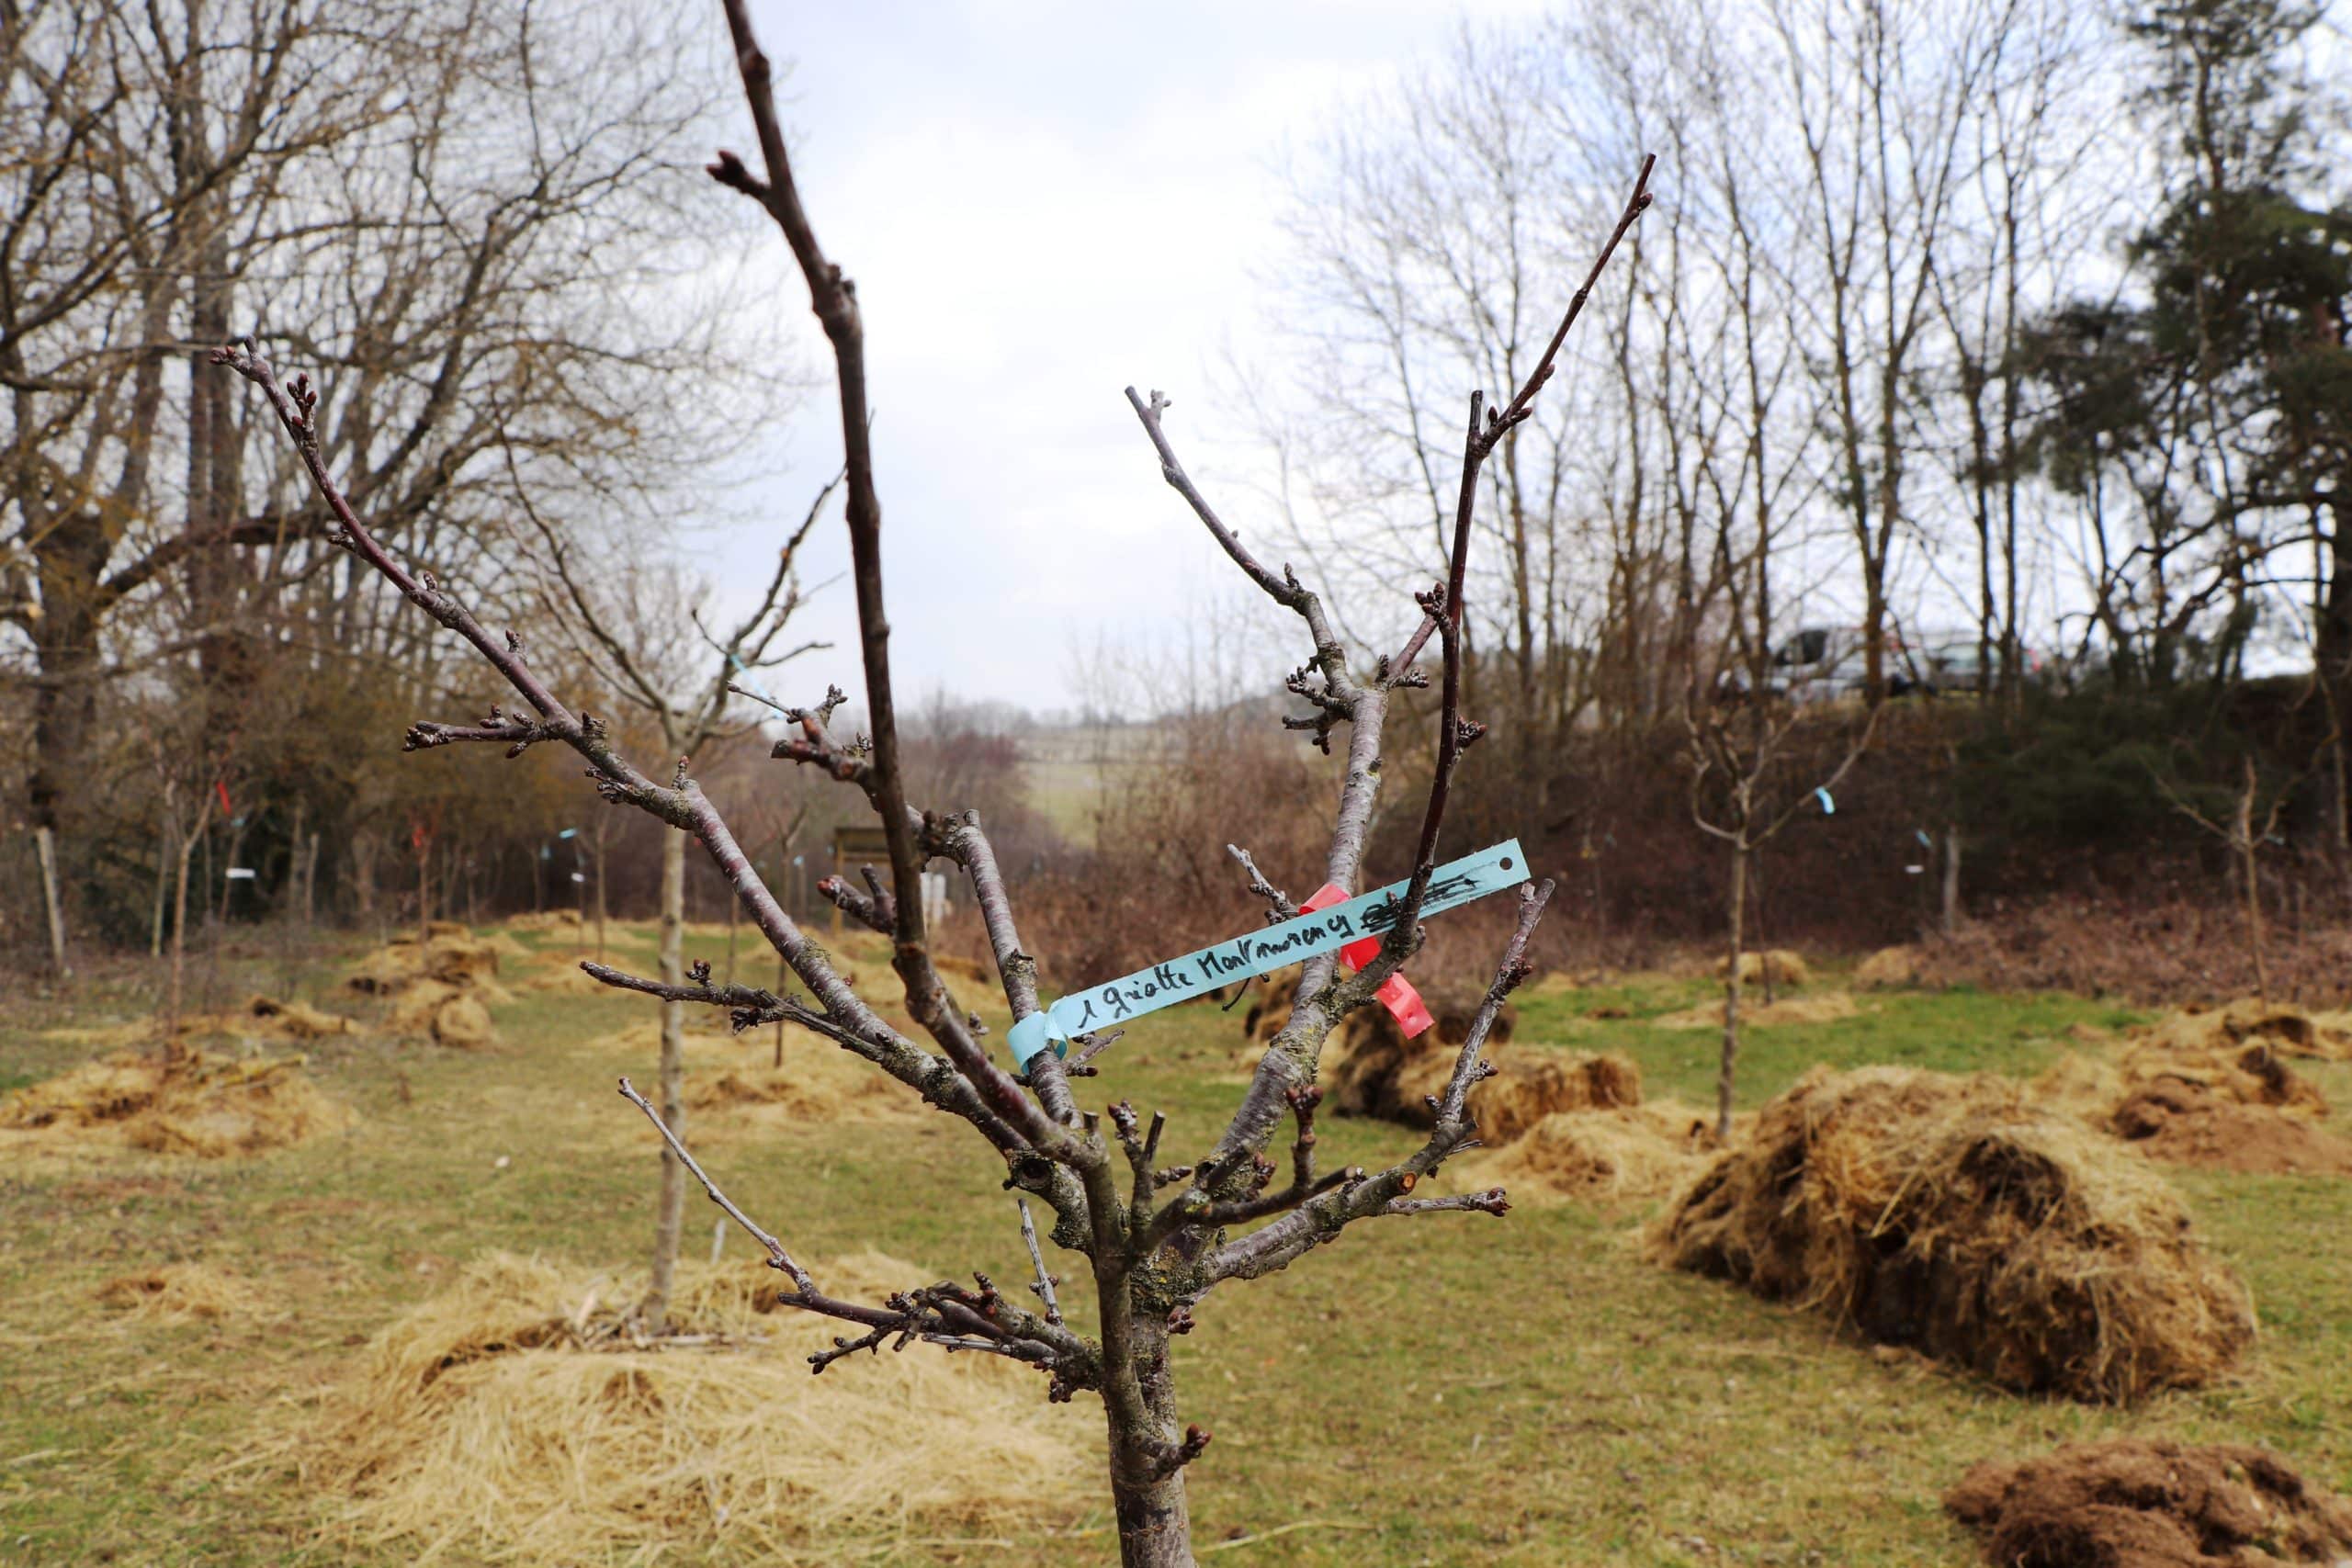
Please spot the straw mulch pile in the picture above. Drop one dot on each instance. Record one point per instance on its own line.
(1958, 1217)
(176, 1102)
(1824, 1007)
(1597, 1141)
(565, 977)
(1890, 969)
(1615, 1154)
(736, 1081)
(1527, 1088)
(441, 987)
(261, 1019)
(2130, 1503)
(517, 1418)
(1368, 1067)
(182, 1293)
(2230, 1107)
(546, 920)
(1788, 970)
(818, 1082)
(2286, 1029)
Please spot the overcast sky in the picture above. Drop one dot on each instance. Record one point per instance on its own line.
(1042, 201)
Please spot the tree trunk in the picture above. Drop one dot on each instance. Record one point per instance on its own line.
(163, 887)
(669, 1222)
(290, 891)
(2249, 852)
(1952, 880)
(364, 848)
(228, 883)
(1155, 1518)
(1731, 992)
(179, 931)
(52, 903)
(310, 883)
(2333, 655)
(425, 891)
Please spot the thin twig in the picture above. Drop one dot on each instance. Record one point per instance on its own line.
(1045, 1285)
(777, 1257)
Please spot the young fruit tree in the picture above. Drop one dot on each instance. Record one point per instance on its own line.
(1157, 1236)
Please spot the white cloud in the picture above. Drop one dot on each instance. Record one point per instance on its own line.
(1042, 201)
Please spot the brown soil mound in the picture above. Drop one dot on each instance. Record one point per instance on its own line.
(1958, 1217)
(518, 1418)
(179, 1292)
(1787, 969)
(1890, 969)
(1828, 1007)
(1627, 1152)
(1369, 1068)
(182, 1101)
(2135, 1503)
(2193, 1124)
(2234, 1108)
(2286, 1029)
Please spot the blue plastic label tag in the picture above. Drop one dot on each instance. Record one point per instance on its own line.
(1263, 952)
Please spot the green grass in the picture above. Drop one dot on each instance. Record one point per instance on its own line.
(1442, 1391)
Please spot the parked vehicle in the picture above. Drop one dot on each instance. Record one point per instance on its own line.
(1820, 664)
(1952, 666)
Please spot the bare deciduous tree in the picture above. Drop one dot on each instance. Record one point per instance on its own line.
(445, 203)
(637, 629)
(1156, 1237)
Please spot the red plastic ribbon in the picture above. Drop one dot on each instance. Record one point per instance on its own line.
(1395, 993)
(220, 787)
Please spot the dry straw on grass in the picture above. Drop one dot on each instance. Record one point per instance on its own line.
(181, 1101)
(567, 978)
(477, 1427)
(1827, 1007)
(262, 1018)
(182, 1293)
(440, 987)
(818, 1082)
(2288, 1029)
(1890, 969)
(2130, 1502)
(1623, 1154)
(1368, 1067)
(1787, 969)
(1528, 1087)
(1957, 1216)
(735, 1080)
